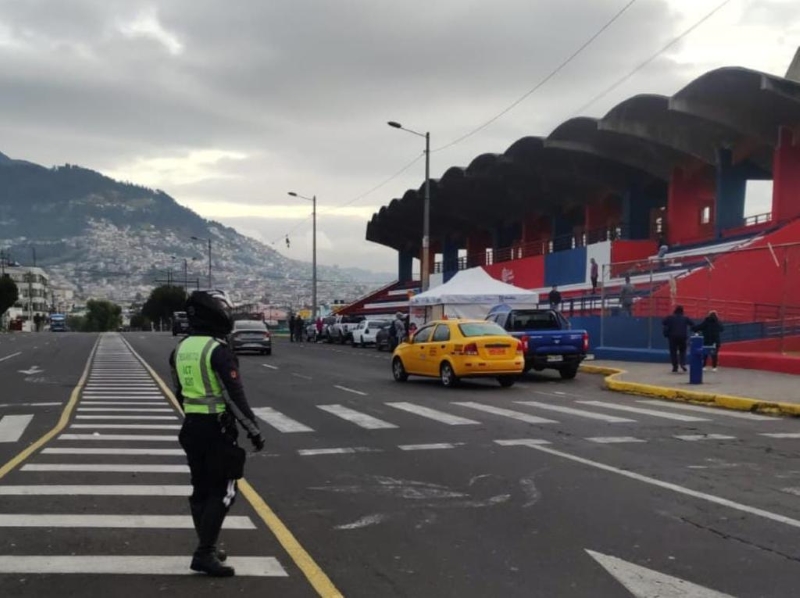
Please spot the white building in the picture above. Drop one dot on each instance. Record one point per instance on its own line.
(33, 285)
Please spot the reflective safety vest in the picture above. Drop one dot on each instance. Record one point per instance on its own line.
(201, 389)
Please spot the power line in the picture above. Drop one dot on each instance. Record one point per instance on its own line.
(541, 83)
(674, 41)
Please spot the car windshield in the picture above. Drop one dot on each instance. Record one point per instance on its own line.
(249, 325)
(471, 329)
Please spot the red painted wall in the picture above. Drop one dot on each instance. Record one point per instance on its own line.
(527, 273)
(786, 177)
(791, 344)
(628, 251)
(689, 193)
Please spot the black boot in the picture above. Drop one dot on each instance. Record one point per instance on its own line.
(208, 562)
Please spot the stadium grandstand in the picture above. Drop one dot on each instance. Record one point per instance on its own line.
(654, 190)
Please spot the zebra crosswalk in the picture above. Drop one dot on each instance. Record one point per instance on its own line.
(123, 429)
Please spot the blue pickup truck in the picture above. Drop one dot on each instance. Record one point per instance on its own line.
(547, 338)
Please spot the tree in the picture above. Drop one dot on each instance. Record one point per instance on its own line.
(9, 293)
(102, 316)
(163, 301)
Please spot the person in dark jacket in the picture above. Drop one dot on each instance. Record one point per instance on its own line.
(291, 328)
(676, 330)
(711, 328)
(299, 323)
(555, 298)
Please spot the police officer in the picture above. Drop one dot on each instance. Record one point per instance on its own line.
(203, 370)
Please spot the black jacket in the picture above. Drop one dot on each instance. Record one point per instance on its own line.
(712, 329)
(677, 326)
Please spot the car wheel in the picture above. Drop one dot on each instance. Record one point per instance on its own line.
(267, 351)
(506, 381)
(398, 370)
(447, 375)
(568, 373)
(378, 346)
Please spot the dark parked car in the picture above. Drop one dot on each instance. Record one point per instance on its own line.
(180, 323)
(382, 337)
(250, 335)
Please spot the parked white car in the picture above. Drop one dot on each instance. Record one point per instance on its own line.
(365, 332)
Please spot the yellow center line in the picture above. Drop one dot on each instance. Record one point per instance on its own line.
(62, 422)
(318, 579)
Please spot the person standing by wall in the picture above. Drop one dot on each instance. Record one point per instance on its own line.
(298, 328)
(291, 328)
(711, 328)
(676, 330)
(626, 297)
(594, 275)
(554, 297)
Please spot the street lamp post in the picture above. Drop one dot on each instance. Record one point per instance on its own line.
(425, 273)
(209, 257)
(313, 200)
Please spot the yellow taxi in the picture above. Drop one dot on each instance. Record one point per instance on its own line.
(454, 349)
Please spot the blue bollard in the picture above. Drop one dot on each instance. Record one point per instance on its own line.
(696, 359)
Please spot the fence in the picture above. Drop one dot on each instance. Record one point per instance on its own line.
(754, 289)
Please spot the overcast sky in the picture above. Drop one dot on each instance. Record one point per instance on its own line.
(228, 105)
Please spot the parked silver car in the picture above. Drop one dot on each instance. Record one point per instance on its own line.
(250, 335)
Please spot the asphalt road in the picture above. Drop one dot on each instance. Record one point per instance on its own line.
(548, 488)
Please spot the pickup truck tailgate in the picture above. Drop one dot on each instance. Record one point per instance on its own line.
(555, 342)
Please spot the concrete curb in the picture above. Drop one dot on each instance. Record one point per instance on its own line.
(689, 396)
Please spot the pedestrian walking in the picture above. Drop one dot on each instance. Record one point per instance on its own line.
(291, 328)
(318, 325)
(594, 273)
(626, 294)
(554, 297)
(298, 329)
(676, 330)
(397, 332)
(711, 328)
(204, 370)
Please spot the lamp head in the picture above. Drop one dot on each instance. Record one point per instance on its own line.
(394, 124)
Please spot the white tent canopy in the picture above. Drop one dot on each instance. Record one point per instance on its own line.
(470, 294)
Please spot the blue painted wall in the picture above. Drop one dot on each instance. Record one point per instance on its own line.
(565, 267)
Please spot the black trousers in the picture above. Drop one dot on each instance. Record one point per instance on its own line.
(714, 357)
(677, 352)
(212, 492)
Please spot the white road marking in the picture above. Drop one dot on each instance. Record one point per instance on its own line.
(33, 370)
(522, 442)
(279, 421)
(95, 490)
(782, 435)
(355, 392)
(363, 522)
(138, 417)
(127, 426)
(673, 487)
(795, 491)
(12, 427)
(518, 415)
(360, 419)
(301, 376)
(646, 583)
(710, 410)
(614, 439)
(99, 436)
(140, 403)
(10, 356)
(439, 416)
(696, 437)
(337, 451)
(115, 451)
(428, 447)
(612, 419)
(30, 404)
(106, 467)
(126, 410)
(107, 396)
(246, 566)
(272, 367)
(116, 521)
(651, 412)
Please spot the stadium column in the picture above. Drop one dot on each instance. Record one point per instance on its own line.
(786, 176)
(450, 248)
(405, 260)
(562, 231)
(477, 243)
(691, 196)
(637, 206)
(731, 186)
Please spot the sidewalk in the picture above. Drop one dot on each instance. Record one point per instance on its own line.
(755, 388)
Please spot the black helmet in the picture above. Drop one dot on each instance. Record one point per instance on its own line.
(210, 312)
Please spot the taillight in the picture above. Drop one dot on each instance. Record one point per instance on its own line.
(585, 342)
(524, 341)
(520, 347)
(470, 349)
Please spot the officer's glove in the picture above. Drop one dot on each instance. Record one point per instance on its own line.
(257, 441)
